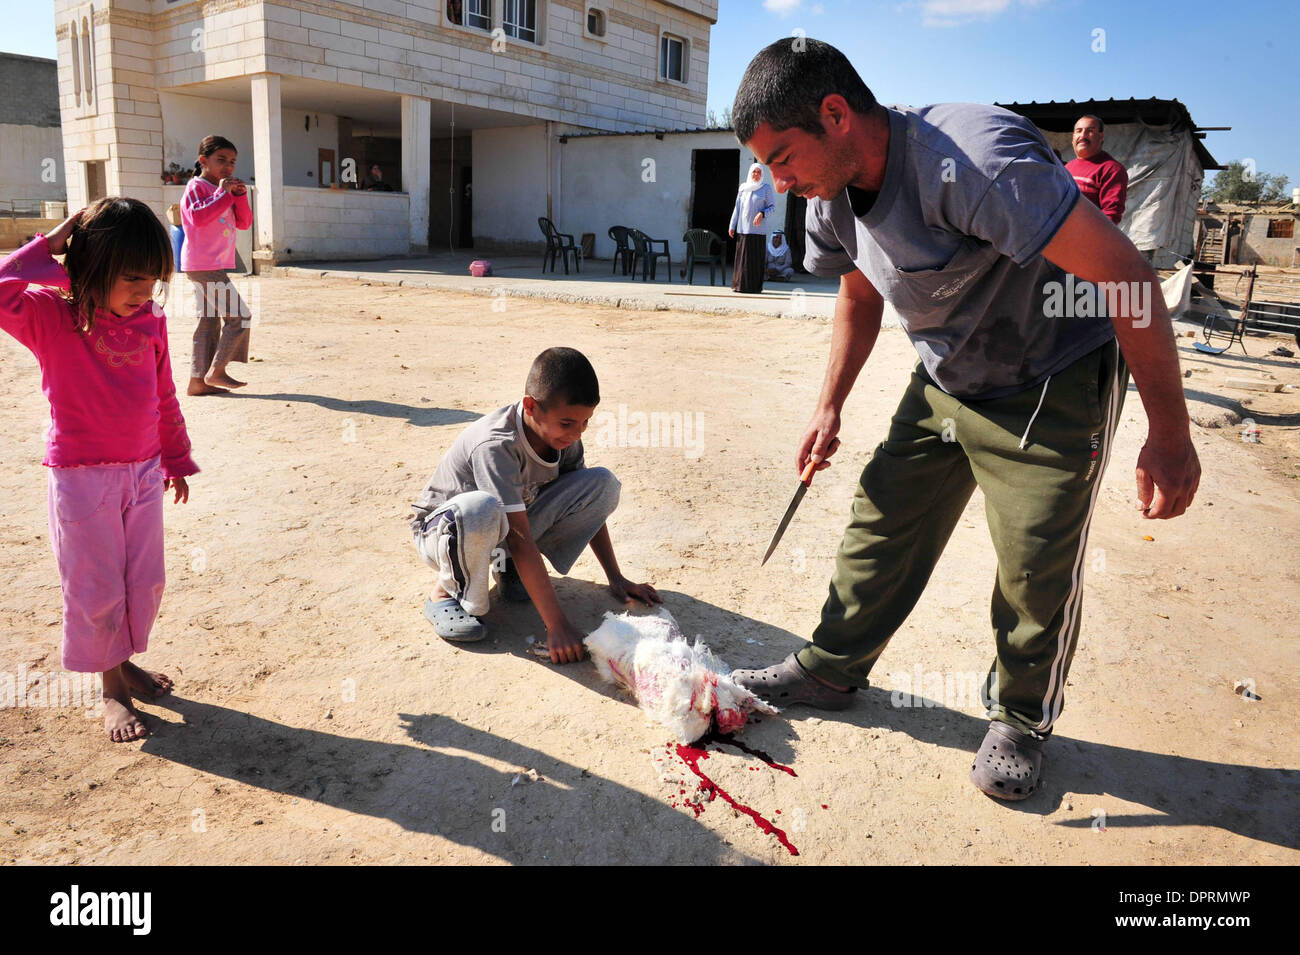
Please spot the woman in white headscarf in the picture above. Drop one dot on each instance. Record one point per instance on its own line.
(754, 203)
(780, 266)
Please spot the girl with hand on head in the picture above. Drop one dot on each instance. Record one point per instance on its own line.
(214, 207)
(117, 440)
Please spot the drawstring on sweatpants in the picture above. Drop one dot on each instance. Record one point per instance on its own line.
(1024, 439)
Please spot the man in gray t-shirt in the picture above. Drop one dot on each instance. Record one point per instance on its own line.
(953, 240)
(966, 222)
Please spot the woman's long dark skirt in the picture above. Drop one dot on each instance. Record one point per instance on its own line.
(751, 258)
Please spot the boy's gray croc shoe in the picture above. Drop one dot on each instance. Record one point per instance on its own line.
(451, 622)
(786, 683)
(1008, 763)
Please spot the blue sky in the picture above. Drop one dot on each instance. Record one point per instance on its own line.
(1232, 64)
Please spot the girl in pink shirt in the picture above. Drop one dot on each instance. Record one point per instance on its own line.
(117, 440)
(214, 207)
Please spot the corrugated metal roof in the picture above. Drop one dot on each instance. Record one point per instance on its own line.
(1054, 116)
(1059, 117)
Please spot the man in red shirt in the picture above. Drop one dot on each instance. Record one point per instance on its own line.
(1100, 177)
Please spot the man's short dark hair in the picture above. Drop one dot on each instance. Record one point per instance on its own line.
(563, 376)
(1100, 125)
(784, 86)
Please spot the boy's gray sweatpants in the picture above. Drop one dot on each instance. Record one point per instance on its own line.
(564, 516)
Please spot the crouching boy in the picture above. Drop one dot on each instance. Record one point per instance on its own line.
(517, 477)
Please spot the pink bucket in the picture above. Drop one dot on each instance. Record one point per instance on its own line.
(479, 268)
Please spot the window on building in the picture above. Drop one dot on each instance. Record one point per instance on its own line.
(671, 58)
(74, 40)
(470, 13)
(595, 22)
(519, 19)
(87, 61)
(1281, 228)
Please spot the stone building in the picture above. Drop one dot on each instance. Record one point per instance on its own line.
(31, 146)
(460, 102)
(1257, 233)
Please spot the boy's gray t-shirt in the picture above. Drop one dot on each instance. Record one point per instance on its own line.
(971, 196)
(493, 455)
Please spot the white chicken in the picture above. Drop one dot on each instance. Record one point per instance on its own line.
(684, 688)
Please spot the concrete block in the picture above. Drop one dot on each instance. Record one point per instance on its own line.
(289, 32)
(324, 24)
(314, 71)
(351, 61)
(333, 41)
(358, 31)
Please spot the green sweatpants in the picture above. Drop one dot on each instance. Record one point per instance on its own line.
(1039, 500)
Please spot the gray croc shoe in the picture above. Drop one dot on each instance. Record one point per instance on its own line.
(451, 622)
(1008, 763)
(786, 683)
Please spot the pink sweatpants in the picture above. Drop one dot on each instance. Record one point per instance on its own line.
(106, 527)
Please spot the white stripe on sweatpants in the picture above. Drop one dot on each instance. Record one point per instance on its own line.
(1054, 698)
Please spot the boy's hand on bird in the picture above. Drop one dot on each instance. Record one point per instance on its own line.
(182, 489)
(625, 590)
(232, 185)
(58, 239)
(565, 644)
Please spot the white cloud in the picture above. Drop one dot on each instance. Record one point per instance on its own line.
(951, 13)
(782, 7)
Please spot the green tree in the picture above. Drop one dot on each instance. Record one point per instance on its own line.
(1240, 182)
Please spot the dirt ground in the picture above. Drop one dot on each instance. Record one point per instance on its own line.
(318, 719)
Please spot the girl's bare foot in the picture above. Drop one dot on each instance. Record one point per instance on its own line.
(145, 683)
(219, 379)
(121, 722)
(199, 387)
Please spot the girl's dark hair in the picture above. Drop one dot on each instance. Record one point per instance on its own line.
(209, 146)
(114, 237)
(784, 86)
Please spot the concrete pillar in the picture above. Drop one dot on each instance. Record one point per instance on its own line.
(417, 115)
(268, 168)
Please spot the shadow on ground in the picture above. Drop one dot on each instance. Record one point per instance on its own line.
(420, 417)
(443, 783)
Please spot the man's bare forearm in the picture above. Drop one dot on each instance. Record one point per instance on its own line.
(1094, 250)
(853, 336)
(1146, 339)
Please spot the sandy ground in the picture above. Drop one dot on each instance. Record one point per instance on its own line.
(318, 719)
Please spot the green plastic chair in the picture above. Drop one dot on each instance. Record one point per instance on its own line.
(703, 246)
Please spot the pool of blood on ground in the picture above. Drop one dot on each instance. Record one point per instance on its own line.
(693, 754)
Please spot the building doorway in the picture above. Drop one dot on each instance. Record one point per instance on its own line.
(96, 184)
(715, 177)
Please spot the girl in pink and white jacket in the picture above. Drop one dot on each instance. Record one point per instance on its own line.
(117, 439)
(214, 207)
